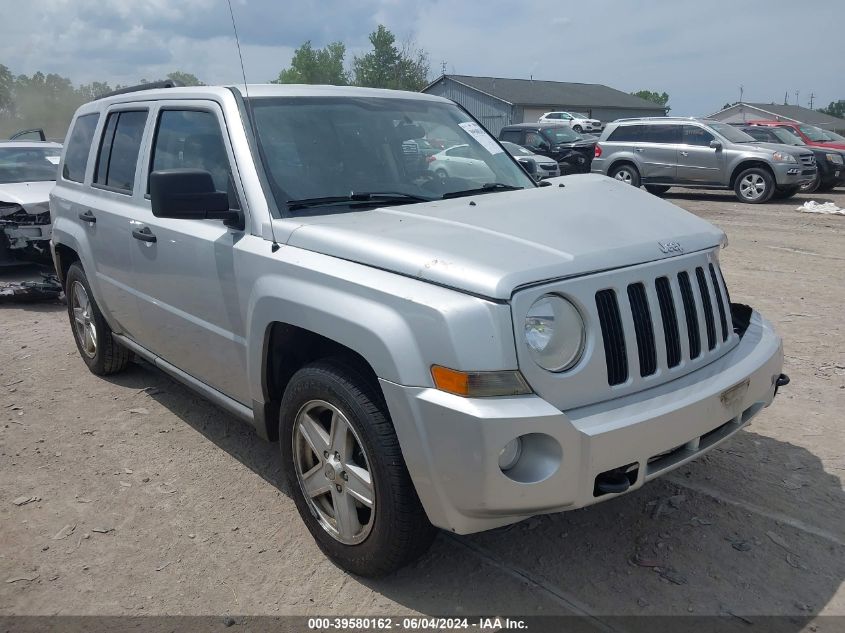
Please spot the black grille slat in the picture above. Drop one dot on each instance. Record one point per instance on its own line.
(670, 322)
(709, 322)
(720, 303)
(688, 299)
(615, 352)
(643, 329)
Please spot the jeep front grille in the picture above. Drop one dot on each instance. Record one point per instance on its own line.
(703, 304)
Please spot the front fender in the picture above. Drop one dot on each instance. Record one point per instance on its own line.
(400, 326)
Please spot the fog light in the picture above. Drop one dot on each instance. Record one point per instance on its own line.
(510, 454)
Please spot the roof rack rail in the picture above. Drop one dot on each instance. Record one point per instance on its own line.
(150, 85)
(659, 118)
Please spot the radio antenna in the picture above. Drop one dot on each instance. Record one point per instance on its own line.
(238, 42)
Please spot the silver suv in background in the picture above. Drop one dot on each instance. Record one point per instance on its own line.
(663, 152)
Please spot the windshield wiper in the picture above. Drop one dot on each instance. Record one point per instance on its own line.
(487, 187)
(357, 198)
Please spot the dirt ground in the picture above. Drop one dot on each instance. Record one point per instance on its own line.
(152, 501)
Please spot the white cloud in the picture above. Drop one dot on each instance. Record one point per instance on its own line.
(698, 54)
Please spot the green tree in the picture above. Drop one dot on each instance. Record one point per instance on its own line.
(836, 108)
(186, 79)
(311, 65)
(660, 98)
(7, 81)
(391, 66)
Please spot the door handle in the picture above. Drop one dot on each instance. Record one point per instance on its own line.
(144, 234)
(88, 216)
(684, 153)
(638, 149)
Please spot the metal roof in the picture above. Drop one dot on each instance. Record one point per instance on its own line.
(794, 113)
(533, 92)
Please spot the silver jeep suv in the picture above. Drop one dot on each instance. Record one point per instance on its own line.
(427, 351)
(663, 152)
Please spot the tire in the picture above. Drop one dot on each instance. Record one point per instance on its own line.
(813, 185)
(785, 192)
(442, 174)
(374, 539)
(657, 190)
(830, 186)
(578, 128)
(101, 353)
(627, 173)
(754, 185)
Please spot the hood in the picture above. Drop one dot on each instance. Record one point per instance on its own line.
(34, 197)
(830, 145)
(491, 244)
(795, 150)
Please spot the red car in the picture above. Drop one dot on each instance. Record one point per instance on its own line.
(810, 134)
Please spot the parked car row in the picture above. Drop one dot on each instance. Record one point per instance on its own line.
(572, 151)
(663, 152)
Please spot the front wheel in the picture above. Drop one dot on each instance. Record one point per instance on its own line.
(754, 185)
(626, 173)
(657, 190)
(345, 470)
(101, 353)
(578, 128)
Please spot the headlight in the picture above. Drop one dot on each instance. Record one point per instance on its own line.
(783, 158)
(836, 159)
(554, 333)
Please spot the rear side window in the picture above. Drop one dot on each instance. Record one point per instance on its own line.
(79, 146)
(694, 135)
(119, 149)
(661, 134)
(514, 136)
(627, 134)
(191, 139)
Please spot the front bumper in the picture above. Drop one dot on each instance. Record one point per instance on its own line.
(787, 174)
(451, 444)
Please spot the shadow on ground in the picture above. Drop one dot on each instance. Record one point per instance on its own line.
(752, 529)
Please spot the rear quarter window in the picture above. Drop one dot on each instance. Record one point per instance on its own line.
(626, 134)
(79, 147)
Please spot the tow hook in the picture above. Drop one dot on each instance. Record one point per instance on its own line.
(781, 381)
(613, 481)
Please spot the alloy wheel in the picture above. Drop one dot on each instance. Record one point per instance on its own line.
(83, 320)
(334, 472)
(752, 186)
(625, 176)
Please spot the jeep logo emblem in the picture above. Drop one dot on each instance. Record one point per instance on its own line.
(670, 247)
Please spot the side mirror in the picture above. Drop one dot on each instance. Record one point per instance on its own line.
(529, 165)
(717, 145)
(189, 194)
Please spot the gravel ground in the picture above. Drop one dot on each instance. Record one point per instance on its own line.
(152, 501)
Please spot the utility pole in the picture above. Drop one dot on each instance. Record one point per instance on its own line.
(812, 98)
(741, 90)
(443, 67)
(797, 92)
(786, 98)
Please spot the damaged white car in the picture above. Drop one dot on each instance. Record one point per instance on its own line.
(28, 172)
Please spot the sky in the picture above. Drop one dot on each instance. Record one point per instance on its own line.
(698, 52)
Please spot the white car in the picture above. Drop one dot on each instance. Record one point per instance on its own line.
(577, 121)
(546, 167)
(28, 172)
(458, 162)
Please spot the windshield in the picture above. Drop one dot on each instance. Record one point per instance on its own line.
(814, 133)
(28, 164)
(560, 134)
(730, 133)
(339, 148)
(516, 150)
(786, 136)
